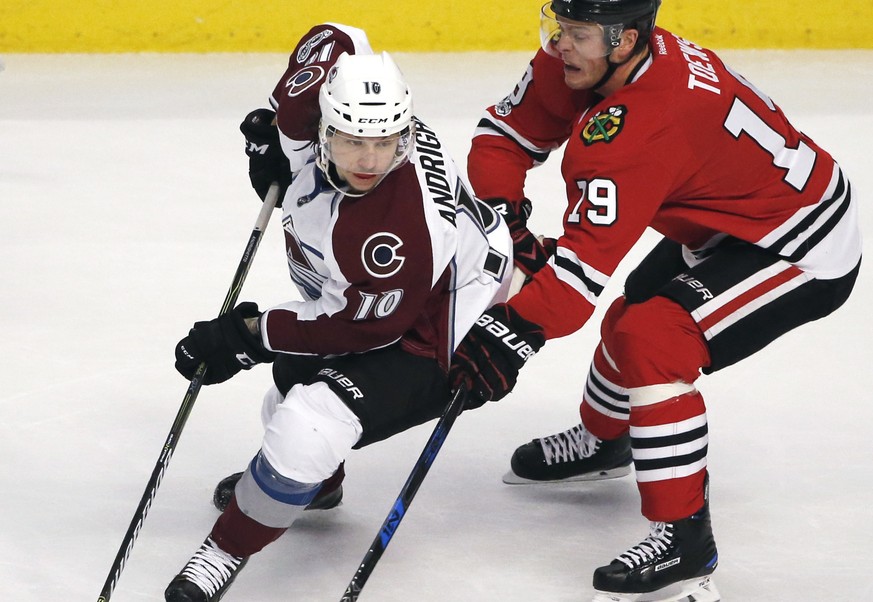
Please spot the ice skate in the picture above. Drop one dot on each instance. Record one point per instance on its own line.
(574, 455)
(691, 590)
(674, 563)
(329, 496)
(207, 575)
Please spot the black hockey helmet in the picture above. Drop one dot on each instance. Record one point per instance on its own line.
(613, 15)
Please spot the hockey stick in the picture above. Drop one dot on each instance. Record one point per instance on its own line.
(413, 482)
(398, 510)
(151, 489)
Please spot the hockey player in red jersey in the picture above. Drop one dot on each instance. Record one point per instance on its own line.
(394, 260)
(760, 235)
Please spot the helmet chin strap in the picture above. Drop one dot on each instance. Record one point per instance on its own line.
(610, 71)
(611, 68)
(340, 185)
(337, 183)
(327, 174)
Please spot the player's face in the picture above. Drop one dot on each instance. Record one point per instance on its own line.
(363, 162)
(582, 48)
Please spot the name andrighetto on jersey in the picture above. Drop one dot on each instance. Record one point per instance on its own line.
(432, 161)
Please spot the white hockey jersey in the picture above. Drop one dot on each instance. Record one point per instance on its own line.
(415, 261)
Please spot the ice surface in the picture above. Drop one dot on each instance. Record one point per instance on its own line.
(124, 209)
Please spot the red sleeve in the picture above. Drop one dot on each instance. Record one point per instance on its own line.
(521, 131)
(614, 191)
(497, 168)
(547, 301)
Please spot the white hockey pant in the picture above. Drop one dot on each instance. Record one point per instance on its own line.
(307, 435)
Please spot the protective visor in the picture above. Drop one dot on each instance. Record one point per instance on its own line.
(587, 38)
(366, 155)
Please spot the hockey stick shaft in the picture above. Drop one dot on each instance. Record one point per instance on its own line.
(401, 505)
(413, 482)
(187, 403)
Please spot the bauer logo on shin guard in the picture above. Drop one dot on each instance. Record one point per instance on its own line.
(511, 340)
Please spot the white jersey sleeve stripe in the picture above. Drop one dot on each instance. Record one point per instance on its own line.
(822, 239)
(577, 274)
(491, 127)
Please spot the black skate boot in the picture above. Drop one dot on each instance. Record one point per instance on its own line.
(329, 496)
(574, 455)
(207, 575)
(673, 563)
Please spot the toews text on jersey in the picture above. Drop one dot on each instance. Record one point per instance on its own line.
(652, 155)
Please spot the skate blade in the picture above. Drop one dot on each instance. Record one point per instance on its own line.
(510, 478)
(700, 589)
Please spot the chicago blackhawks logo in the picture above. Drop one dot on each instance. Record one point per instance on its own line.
(504, 107)
(604, 126)
(379, 255)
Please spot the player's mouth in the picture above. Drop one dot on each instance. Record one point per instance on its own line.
(364, 176)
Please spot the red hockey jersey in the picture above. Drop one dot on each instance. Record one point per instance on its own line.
(688, 147)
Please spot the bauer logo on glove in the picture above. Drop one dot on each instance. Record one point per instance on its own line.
(522, 348)
(489, 358)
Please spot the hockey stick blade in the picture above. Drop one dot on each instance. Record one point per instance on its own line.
(187, 403)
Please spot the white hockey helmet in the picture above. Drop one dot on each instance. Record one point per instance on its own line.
(365, 96)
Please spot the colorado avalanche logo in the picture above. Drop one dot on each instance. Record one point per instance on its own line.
(379, 255)
(303, 80)
(604, 126)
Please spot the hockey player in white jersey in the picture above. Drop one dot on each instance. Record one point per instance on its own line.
(394, 260)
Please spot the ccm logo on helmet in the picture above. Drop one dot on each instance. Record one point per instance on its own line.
(379, 255)
(506, 336)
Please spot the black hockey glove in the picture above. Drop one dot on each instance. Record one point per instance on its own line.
(529, 253)
(267, 162)
(226, 344)
(488, 359)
